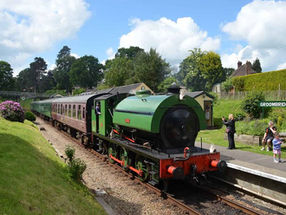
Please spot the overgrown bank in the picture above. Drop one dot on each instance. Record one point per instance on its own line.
(33, 180)
(223, 107)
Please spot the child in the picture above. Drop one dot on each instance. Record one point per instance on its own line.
(276, 148)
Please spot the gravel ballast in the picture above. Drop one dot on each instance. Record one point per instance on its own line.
(122, 194)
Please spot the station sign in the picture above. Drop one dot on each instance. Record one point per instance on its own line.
(272, 104)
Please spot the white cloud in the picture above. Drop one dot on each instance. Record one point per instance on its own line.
(282, 66)
(75, 55)
(172, 39)
(51, 66)
(28, 27)
(262, 24)
(110, 53)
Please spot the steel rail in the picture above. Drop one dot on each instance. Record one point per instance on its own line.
(229, 202)
(159, 192)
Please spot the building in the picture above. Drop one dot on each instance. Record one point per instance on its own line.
(242, 70)
(206, 102)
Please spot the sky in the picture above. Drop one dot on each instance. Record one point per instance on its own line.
(238, 30)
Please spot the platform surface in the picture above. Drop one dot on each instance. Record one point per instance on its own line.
(252, 162)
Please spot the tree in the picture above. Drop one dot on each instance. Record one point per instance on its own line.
(201, 70)
(64, 52)
(227, 72)
(167, 83)
(250, 104)
(47, 82)
(23, 82)
(190, 73)
(150, 68)
(63, 65)
(86, 72)
(117, 71)
(130, 52)
(6, 76)
(227, 85)
(37, 71)
(211, 69)
(256, 66)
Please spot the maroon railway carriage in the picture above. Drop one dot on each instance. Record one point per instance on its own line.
(73, 114)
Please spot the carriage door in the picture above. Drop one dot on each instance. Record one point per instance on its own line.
(97, 113)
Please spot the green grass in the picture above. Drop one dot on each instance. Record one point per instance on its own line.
(33, 180)
(216, 137)
(223, 107)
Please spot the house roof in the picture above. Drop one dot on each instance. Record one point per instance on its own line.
(198, 93)
(245, 69)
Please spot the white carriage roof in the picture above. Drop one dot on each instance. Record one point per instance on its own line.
(128, 89)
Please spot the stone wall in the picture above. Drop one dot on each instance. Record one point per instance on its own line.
(252, 140)
(247, 139)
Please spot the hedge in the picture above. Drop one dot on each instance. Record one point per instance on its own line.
(266, 81)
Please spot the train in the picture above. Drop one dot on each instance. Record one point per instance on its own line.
(153, 136)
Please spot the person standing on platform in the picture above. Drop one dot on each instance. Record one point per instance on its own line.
(268, 136)
(230, 130)
(277, 148)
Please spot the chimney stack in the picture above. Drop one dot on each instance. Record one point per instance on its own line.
(239, 63)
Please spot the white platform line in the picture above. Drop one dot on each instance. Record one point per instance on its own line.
(256, 172)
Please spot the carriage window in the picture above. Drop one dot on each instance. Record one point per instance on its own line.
(66, 110)
(74, 111)
(79, 112)
(83, 112)
(62, 109)
(58, 108)
(70, 111)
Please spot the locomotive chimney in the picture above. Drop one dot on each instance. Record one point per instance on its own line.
(174, 88)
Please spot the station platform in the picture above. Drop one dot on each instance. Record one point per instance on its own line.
(253, 163)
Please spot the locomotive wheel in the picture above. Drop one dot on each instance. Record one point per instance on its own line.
(124, 157)
(139, 164)
(110, 152)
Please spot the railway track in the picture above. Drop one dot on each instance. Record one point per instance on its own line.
(228, 201)
(189, 209)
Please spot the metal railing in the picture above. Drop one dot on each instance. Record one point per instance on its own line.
(23, 95)
(276, 95)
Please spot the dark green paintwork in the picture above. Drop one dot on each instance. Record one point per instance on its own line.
(105, 118)
(146, 113)
(42, 107)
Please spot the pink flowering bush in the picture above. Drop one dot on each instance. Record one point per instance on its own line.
(12, 111)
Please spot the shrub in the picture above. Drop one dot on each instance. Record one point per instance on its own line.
(239, 116)
(12, 111)
(250, 104)
(76, 169)
(227, 85)
(254, 127)
(283, 126)
(218, 123)
(261, 81)
(78, 91)
(238, 83)
(30, 116)
(69, 151)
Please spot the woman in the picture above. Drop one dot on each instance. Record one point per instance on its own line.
(230, 130)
